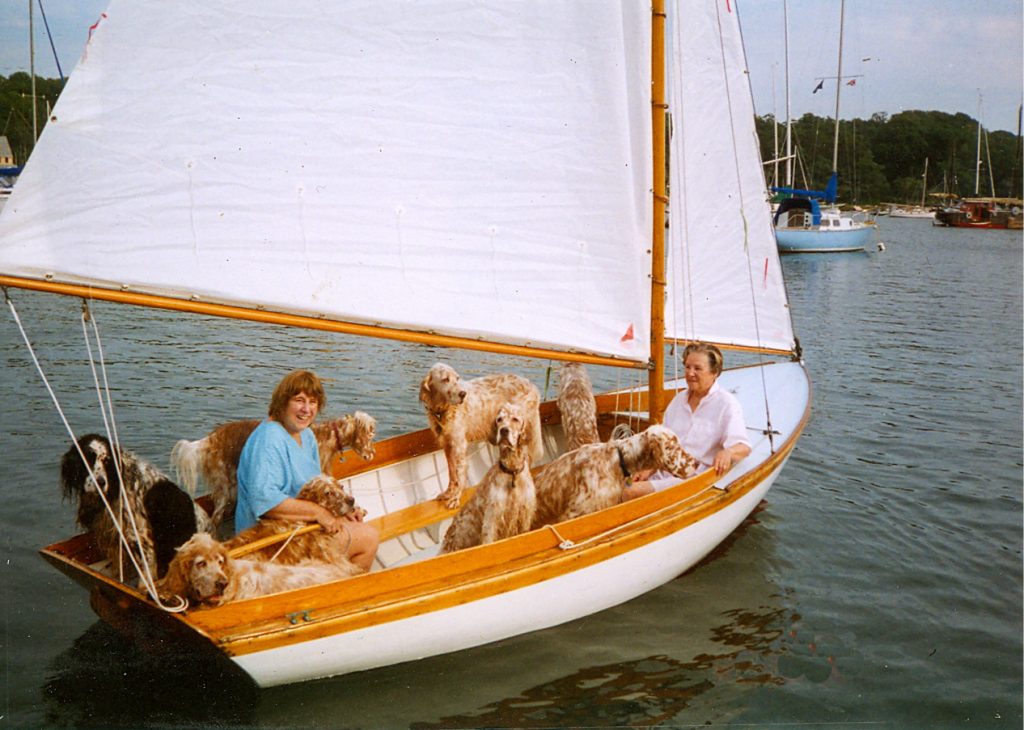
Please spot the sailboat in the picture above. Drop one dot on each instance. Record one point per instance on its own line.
(802, 223)
(983, 212)
(466, 175)
(912, 211)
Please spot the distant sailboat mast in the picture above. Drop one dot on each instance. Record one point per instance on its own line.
(839, 88)
(789, 117)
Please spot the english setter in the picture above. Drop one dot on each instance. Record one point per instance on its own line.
(505, 501)
(592, 477)
(204, 573)
(462, 411)
(318, 545)
(577, 405)
(165, 515)
(215, 456)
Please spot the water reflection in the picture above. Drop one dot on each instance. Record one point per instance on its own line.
(104, 680)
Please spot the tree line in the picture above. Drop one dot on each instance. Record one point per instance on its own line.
(882, 159)
(16, 109)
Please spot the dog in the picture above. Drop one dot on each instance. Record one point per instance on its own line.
(318, 545)
(577, 405)
(215, 456)
(165, 515)
(204, 573)
(463, 411)
(506, 499)
(592, 477)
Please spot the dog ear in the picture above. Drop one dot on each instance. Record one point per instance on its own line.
(175, 581)
(72, 473)
(425, 389)
(492, 436)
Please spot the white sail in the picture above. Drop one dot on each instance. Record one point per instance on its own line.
(724, 278)
(467, 168)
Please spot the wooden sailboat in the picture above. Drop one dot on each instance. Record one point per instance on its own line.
(437, 191)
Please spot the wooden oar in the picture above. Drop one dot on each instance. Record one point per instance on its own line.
(251, 547)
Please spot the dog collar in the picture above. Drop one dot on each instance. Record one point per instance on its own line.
(510, 472)
(622, 462)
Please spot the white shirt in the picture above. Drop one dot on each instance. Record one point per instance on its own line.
(716, 424)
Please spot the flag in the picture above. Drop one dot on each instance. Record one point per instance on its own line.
(819, 86)
(851, 82)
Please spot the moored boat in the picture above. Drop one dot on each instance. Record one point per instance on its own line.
(801, 224)
(998, 213)
(452, 197)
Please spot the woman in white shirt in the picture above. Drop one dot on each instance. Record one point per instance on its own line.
(707, 419)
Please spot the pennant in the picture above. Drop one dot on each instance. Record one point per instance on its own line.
(629, 334)
(819, 86)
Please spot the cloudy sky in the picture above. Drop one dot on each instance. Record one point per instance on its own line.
(906, 54)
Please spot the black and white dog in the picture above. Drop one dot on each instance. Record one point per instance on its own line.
(166, 517)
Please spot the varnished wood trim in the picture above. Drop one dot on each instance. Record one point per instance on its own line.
(157, 301)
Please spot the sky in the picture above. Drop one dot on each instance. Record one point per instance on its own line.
(943, 55)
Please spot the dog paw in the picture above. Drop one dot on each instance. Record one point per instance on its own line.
(450, 498)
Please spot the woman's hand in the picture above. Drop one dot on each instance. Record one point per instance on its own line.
(725, 458)
(329, 522)
(723, 462)
(637, 489)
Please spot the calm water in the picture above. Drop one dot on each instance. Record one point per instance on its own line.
(879, 585)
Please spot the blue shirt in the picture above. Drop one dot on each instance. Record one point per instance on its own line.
(272, 468)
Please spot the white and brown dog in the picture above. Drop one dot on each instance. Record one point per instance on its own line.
(329, 493)
(204, 573)
(214, 458)
(460, 412)
(577, 405)
(592, 477)
(505, 500)
(165, 515)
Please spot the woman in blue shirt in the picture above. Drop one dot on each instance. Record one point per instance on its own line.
(280, 456)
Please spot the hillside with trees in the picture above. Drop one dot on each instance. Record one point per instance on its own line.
(881, 159)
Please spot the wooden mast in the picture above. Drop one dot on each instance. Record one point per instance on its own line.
(656, 376)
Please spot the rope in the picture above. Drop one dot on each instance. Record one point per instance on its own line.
(285, 544)
(746, 231)
(147, 579)
(565, 543)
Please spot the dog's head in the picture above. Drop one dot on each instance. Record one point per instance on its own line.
(198, 572)
(328, 493)
(441, 387)
(508, 426)
(662, 444)
(76, 482)
(365, 432)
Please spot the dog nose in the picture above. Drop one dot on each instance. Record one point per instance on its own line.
(462, 395)
(221, 584)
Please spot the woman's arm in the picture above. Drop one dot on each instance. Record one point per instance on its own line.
(725, 458)
(299, 510)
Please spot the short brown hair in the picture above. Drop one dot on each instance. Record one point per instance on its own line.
(295, 382)
(715, 359)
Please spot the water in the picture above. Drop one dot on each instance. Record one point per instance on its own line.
(880, 584)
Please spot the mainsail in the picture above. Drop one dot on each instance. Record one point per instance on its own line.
(477, 170)
(724, 278)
